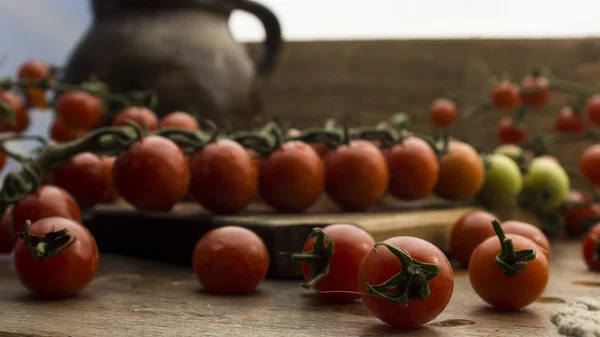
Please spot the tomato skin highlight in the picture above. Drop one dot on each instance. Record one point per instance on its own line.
(468, 232)
(380, 265)
(503, 292)
(7, 239)
(461, 172)
(22, 119)
(443, 112)
(589, 164)
(79, 110)
(590, 249)
(529, 231)
(181, 120)
(64, 275)
(357, 176)
(230, 260)
(413, 169)
(139, 115)
(224, 177)
(83, 176)
(351, 245)
(540, 92)
(152, 174)
(505, 95)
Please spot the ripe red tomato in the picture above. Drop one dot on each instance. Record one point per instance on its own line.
(83, 176)
(443, 112)
(321, 149)
(152, 174)
(350, 245)
(578, 218)
(79, 110)
(34, 70)
(414, 169)
(535, 91)
(468, 232)
(591, 248)
(107, 165)
(568, 121)
(63, 275)
(381, 265)
(505, 95)
(47, 201)
(291, 179)
(593, 109)
(7, 239)
(181, 120)
(230, 260)
(224, 177)
(138, 115)
(589, 164)
(519, 285)
(510, 133)
(529, 231)
(461, 172)
(61, 133)
(21, 116)
(356, 175)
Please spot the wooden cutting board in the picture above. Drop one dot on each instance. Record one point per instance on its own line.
(171, 237)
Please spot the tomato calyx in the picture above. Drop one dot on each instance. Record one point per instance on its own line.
(411, 283)
(510, 261)
(191, 140)
(319, 259)
(49, 245)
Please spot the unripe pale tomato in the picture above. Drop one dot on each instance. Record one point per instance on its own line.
(546, 182)
(503, 180)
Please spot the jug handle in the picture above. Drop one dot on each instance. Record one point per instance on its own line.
(273, 40)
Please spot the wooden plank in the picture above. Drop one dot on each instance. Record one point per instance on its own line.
(132, 297)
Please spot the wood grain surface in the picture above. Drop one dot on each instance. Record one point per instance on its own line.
(132, 297)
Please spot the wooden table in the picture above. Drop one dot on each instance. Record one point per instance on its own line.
(132, 297)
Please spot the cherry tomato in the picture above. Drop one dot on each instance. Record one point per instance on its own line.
(47, 201)
(503, 180)
(350, 245)
(21, 116)
(512, 151)
(291, 179)
(79, 110)
(107, 165)
(414, 169)
(579, 218)
(510, 133)
(356, 175)
(83, 176)
(152, 174)
(63, 275)
(510, 289)
(138, 115)
(61, 133)
(593, 109)
(591, 248)
(381, 265)
(468, 232)
(535, 91)
(443, 112)
(320, 147)
(461, 172)
(224, 177)
(7, 239)
(568, 121)
(181, 120)
(230, 260)
(34, 70)
(529, 231)
(505, 95)
(546, 182)
(589, 164)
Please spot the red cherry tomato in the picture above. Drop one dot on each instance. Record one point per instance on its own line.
(381, 265)
(34, 70)
(181, 120)
(2, 160)
(224, 177)
(107, 166)
(592, 109)
(230, 260)
(535, 91)
(7, 239)
(152, 174)
(350, 245)
(357, 175)
(461, 172)
(321, 149)
(568, 121)
(529, 231)
(468, 232)
(591, 248)
(578, 218)
(510, 133)
(414, 169)
(443, 112)
(79, 110)
(63, 275)
(47, 201)
(505, 95)
(138, 115)
(589, 164)
(291, 179)
(21, 116)
(83, 176)
(61, 133)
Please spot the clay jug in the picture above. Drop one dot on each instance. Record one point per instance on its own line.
(183, 50)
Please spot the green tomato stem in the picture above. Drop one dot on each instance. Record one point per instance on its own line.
(49, 245)
(510, 261)
(557, 84)
(319, 259)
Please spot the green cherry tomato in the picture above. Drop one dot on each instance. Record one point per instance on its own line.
(503, 180)
(512, 151)
(546, 182)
